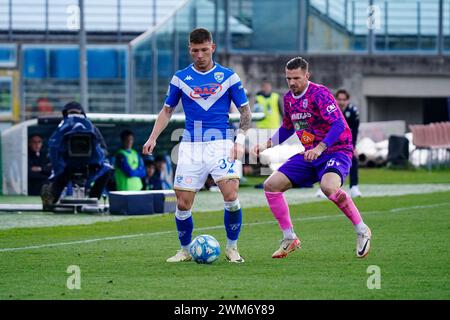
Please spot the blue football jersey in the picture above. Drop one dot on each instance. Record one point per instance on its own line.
(206, 98)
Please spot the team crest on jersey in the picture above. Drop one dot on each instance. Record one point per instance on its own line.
(305, 104)
(218, 76)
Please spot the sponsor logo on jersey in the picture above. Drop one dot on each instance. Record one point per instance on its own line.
(300, 125)
(205, 91)
(218, 76)
(179, 179)
(188, 77)
(307, 138)
(300, 116)
(331, 108)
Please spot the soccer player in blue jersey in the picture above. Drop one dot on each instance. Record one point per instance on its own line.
(206, 90)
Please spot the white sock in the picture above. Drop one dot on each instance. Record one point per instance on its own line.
(186, 247)
(289, 234)
(231, 243)
(361, 227)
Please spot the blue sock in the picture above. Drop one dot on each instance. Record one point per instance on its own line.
(233, 222)
(185, 228)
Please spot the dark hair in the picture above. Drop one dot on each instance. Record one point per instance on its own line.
(73, 105)
(342, 91)
(34, 135)
(125, 133)
(200, 35)
(297, 63)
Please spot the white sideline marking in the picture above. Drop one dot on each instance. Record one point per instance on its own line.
(59, 244)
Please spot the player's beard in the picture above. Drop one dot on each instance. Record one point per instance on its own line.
(295, 90)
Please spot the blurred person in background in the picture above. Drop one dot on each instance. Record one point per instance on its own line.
(39, 167)
(129, 166)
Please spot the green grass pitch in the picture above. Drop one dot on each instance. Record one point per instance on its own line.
(410, 246)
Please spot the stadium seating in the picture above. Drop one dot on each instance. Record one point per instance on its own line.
(432, 137)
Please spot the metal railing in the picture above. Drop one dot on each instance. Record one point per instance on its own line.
(394, 25)
(62, 16)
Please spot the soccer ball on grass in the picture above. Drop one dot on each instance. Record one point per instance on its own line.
(205, 249)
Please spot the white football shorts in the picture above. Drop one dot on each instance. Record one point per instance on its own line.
(198, 159)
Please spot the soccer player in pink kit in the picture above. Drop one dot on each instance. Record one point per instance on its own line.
(311, 112)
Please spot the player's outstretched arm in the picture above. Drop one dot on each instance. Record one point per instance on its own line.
(244, 124)
(279, 137)
(161, 123)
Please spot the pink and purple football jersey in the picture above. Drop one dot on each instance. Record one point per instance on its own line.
(311, 115)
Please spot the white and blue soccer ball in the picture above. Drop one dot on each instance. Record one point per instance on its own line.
(205, 249)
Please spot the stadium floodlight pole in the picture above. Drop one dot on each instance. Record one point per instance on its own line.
(83, 60)
(19, 60)
(302, 21)
(370, 37)
(227, 28)
(46, 19)
(119, 22)
(154, 107)
(419, 27)
(10, 19)
(176, 46)
(216, 22)
(440, 44)
(119, 26)
(129, 104)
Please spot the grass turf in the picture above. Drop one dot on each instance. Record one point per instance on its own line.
(386, 176)
(410, 245)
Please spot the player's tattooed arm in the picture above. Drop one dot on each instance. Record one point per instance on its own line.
(245, 123)
(246, 119)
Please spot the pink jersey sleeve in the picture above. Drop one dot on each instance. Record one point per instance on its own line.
(287, 122)
(327, 105)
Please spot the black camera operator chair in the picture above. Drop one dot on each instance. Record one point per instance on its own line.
(79, 151)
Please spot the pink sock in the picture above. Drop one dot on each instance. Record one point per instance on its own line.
(280, 209)
(347, 206)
